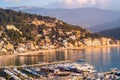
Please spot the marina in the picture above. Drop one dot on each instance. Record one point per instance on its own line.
(58, 71)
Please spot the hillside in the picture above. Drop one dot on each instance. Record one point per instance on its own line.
(106, 26)
(114, 33)
(23, 31)
(85, 17)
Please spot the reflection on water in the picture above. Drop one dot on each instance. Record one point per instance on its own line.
(102, 58)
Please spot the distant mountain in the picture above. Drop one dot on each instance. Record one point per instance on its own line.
(106, 26)
(81, 16)
(115, 33)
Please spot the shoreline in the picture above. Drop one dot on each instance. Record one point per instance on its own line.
(47, 50)
(79, 48)
(4, 58)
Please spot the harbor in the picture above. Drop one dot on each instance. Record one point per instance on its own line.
(59, 40)
(61, 70)
(87, 64)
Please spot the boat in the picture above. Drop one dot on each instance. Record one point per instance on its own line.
(19, 72)
(62, 74)
(76, 74)
(80, 61)
(32, 72)
(11, 74)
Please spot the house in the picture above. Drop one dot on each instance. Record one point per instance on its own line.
(103, 41)
(87, 42)
(52, 47)
(96, 42)
(12, 27)
(59, 38)
(68, 33)
(109, 41)
(65, 43)
(29, 45)
(3, 50)
(73, 37)
(9, 27)
(77, 34)
(47, 39)
(70, 46)
(1, 44)
(61, 32)
(50, 24)
(9, 46)
(91, 42)
(1, 32)
(78, 44)
(20, 49)
(38, 22)
(118, 42)
(45, 32)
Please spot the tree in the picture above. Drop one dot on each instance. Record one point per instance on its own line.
(15, 36)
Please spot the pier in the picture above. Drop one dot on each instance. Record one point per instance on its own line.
(38, 65)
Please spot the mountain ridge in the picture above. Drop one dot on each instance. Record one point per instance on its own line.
(106, 26)
(114, 33)
(86, 17)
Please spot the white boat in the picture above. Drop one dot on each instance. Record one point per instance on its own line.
(11, 74)
(33, 72)
(76, 74)
(19, 72)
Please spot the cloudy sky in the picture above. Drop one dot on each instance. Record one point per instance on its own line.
(104, 4)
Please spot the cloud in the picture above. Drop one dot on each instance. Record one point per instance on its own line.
(11, 0)
(80, 3)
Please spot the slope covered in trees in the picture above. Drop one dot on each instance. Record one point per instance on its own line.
(22, 31)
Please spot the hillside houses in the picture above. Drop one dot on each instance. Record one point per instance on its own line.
(37, 22)
(6, 47)
(12, 27)
(50, 24)
(53, 38)
(99, 42)
(25, 32)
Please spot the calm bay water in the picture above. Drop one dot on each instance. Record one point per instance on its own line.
(102, 58)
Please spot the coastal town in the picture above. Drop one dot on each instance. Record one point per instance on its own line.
(73, 41)
(23, 32)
